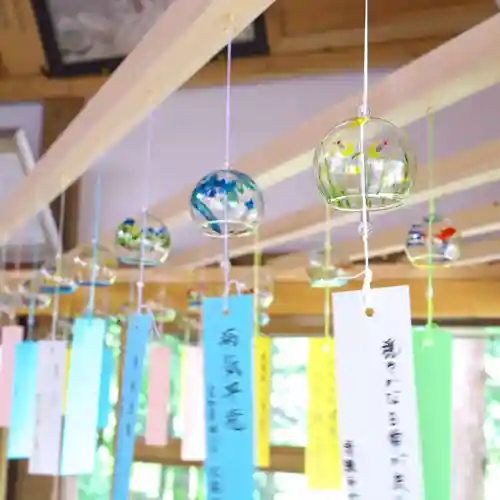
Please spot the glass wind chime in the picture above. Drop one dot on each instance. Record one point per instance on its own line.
(228, 204)
(363, 164)
(434, 242)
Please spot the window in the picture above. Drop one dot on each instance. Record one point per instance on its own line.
(289, 427)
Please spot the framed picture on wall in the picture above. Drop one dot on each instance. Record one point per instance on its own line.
(92, 37)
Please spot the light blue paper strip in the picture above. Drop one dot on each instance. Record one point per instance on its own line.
(82, 397)
(228, 375)
(22, 421)
(105, 407)
(139, 326)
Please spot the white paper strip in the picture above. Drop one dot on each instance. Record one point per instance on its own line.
(376, 395)
(193, 447)
(51, 369)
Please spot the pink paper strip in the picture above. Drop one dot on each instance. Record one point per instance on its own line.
(193, 446)
(156, 433)
(11, 335)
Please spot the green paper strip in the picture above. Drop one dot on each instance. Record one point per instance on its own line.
(433, 376)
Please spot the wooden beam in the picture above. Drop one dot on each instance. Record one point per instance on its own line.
(455, 174)
(435, 21)
(57, 115)
(404, 97)
(453, 298)
(283, 458)
(20, 47)
(244, 71)
(183, 40)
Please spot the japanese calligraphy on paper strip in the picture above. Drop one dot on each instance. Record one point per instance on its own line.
(376, 396)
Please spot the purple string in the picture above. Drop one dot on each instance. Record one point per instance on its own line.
(226, 263)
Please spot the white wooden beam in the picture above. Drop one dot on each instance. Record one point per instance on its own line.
(188, 35)
(479, 221)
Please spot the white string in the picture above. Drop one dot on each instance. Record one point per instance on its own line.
(226, 263)
(368, 275)
(140, 281)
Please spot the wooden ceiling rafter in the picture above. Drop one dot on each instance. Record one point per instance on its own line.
(478, 221)
(452, 297)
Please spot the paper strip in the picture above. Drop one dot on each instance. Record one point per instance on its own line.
(158, 396)
(22, 422)
(228, 360)
(323, 465)
(433, 372)
(11, 335)
(192, 405)
(107, 372)
(82, 399)
(45, 455)
(139, 327)
(262, 363)
(376, 395)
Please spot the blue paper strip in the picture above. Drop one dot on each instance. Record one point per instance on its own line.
(105, 406)
(22, 420)
(139, 326)
(82, 397)
(228, 374)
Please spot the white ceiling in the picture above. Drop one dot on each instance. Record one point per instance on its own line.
(188, 141)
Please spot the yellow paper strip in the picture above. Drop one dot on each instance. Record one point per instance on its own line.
(323, 464)
(262, 374)
(66, 379)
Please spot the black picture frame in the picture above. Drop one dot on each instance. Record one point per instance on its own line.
(56, 67)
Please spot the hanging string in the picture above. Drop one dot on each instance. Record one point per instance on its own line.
(57, 296)
(145, 196)
(95, 250)
(365, 109)
(362, 158)
(226, 262)
(327, 264)
(257, 263)
(431, 217)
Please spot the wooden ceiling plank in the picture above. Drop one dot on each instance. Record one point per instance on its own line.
(403, 97)
(20, 46)
(183, 40)
(244, 71)
(473, 222)
(465, 170)
(454, 298)
(439, 21)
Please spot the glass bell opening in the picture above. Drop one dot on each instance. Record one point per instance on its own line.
(370, 145)
(57, 277)
(148, 246)
(327, 273)
(441, 249)
(227, 203)
(98, 270)
(27, 293)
